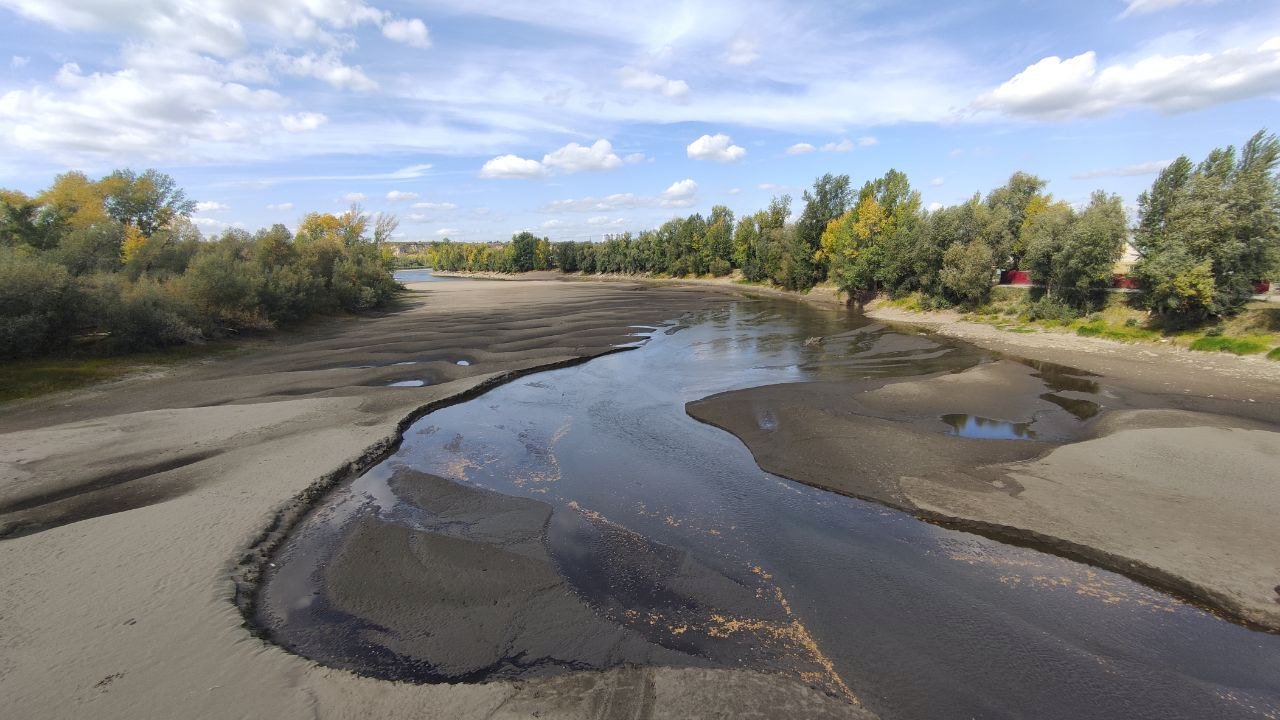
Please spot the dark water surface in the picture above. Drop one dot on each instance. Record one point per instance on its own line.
(915, 620)
(421, 275)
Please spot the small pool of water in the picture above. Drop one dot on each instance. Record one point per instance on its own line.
(972, 426)
(407, 383)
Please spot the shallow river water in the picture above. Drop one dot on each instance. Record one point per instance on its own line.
(912, 619)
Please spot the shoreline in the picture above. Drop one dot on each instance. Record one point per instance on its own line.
(235, 506)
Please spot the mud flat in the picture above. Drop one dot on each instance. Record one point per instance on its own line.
(127, 507)
(1177, 490)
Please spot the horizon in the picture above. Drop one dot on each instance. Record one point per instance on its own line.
(579, 123)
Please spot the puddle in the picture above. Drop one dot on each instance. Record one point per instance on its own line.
(1081, 409)
(980, 428)
(463, 362)
(407, 383)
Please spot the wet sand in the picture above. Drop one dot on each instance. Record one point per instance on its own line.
(131, 510)
(1177, 491)
(137, 514)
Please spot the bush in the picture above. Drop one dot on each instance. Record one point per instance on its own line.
(142, 315)
(36, 308)
(1051, 308)
(967, 272)
(720, 268)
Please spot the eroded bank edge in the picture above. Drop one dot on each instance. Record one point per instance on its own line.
(1203, 597)
(247, 571)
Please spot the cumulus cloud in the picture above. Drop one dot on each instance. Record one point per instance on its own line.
(19, 61)
(1142, 7)
(575, 158)
(446, 232)
(210, 206)
(800, 149)
(1057, 89)
(280, 206)
(733, 191)
(718, 147)
(512, 166)
(327, 66)
(634, 158)
(133, 113)
(410, 32)
(1146, 168)
(647, 81)
(399, 195)
(434, 206)
(303, 121)
(354, 197)
(934, 206)
(571, 158)
(681, 193)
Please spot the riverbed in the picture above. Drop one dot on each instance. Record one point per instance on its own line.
(579, 519)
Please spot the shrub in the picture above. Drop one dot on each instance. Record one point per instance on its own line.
(1051, 308)
(36, 312)
(720, 267)
(142, 315)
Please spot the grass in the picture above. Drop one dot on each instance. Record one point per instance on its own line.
(1236, 345)
(40, 376)
(1255, 330)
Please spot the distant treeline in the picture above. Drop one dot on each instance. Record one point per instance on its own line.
(1204, 234)
(115, 265)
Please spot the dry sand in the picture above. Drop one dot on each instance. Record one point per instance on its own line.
(129, 508)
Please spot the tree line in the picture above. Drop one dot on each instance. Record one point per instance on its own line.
(115, 265)
(1204, 234)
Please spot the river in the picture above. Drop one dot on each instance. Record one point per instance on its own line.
(667, 532)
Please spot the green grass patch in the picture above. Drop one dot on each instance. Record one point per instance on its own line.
(1274, 354)
(41, 376)
(1123, 333)
(1224, 343)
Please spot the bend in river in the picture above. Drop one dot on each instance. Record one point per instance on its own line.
(579, 518)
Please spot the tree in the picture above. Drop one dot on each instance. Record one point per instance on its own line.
(967, 271)
(1206, 234)
(1009, 203)
(830, 198)
(150, 201)
(524, 251)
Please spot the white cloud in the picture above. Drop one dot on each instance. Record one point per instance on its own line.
(800, 149)
(133, 114)
(934, 206)
(733, 191)
(399, 195)
(1142, 7)
(718, 147)
(303, 121)
(647, 81)
(843, 146)
(681, 193)
(327, 66)
(600, 220)
(280, 206)
(210, 206)
(19, 61)
(575, 158)
(445, 232)
(512, 166)
(1146, 168)
(742, 51)
(937, 181)
(434, 206)
(213, 224)
(410, 32)
(553, 223)
(868, 141)
(1057, 89)
(634, 158)
(354, 197)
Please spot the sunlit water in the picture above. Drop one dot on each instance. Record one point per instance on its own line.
(914, 620)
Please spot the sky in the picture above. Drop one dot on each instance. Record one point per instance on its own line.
(479, 119)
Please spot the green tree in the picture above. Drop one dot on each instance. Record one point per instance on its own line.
(150, 201)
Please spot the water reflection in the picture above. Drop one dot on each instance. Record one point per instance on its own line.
(972, 426)
(667, 528)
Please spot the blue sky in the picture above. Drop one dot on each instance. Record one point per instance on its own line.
(578, 119)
